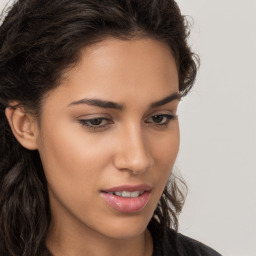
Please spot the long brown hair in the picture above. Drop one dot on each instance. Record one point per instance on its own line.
(39, 41)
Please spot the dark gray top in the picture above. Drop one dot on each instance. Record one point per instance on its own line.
(176, 244)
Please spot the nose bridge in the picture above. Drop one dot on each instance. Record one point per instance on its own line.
(133, 151)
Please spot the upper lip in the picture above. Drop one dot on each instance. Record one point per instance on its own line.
(129, 188)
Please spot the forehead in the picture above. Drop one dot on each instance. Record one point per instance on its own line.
(118, 70)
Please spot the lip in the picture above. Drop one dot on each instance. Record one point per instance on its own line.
(127, 204)
(129, 188)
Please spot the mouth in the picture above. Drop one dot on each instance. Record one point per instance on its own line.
(126, 198)
(127, 194)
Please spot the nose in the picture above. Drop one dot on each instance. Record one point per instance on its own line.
(133, 151)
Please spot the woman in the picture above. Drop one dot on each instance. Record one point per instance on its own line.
(89, 134)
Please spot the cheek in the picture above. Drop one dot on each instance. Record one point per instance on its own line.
(166, 148)
(71, 161)
(165, 156)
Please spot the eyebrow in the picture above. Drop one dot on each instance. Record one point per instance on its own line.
(113, 105)
(172, 97)
(98, 103)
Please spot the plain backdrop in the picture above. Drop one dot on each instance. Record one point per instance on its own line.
(218, 127)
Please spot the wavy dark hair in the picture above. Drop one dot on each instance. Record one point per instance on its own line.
(39, 41)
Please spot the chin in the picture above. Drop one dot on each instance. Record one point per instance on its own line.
(126, 227)
(123, 233)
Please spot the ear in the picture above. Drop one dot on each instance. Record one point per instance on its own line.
(23, 125)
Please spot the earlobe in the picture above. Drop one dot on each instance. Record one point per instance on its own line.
(23, 126)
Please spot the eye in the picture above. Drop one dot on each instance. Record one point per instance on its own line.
(98, 123)
(162, 119)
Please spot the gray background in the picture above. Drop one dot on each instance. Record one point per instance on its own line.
(218, 124)
(218, 127)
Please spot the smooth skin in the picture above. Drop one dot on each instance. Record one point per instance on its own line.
(86, 149)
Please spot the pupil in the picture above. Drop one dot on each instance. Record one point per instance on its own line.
(96, 121)
(157, 119)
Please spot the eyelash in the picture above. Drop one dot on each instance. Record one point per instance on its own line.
(88, 122)
(164, 116)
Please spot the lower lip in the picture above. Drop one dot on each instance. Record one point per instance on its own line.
(127, 204)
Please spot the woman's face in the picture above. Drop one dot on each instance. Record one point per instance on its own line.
(111, 127)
